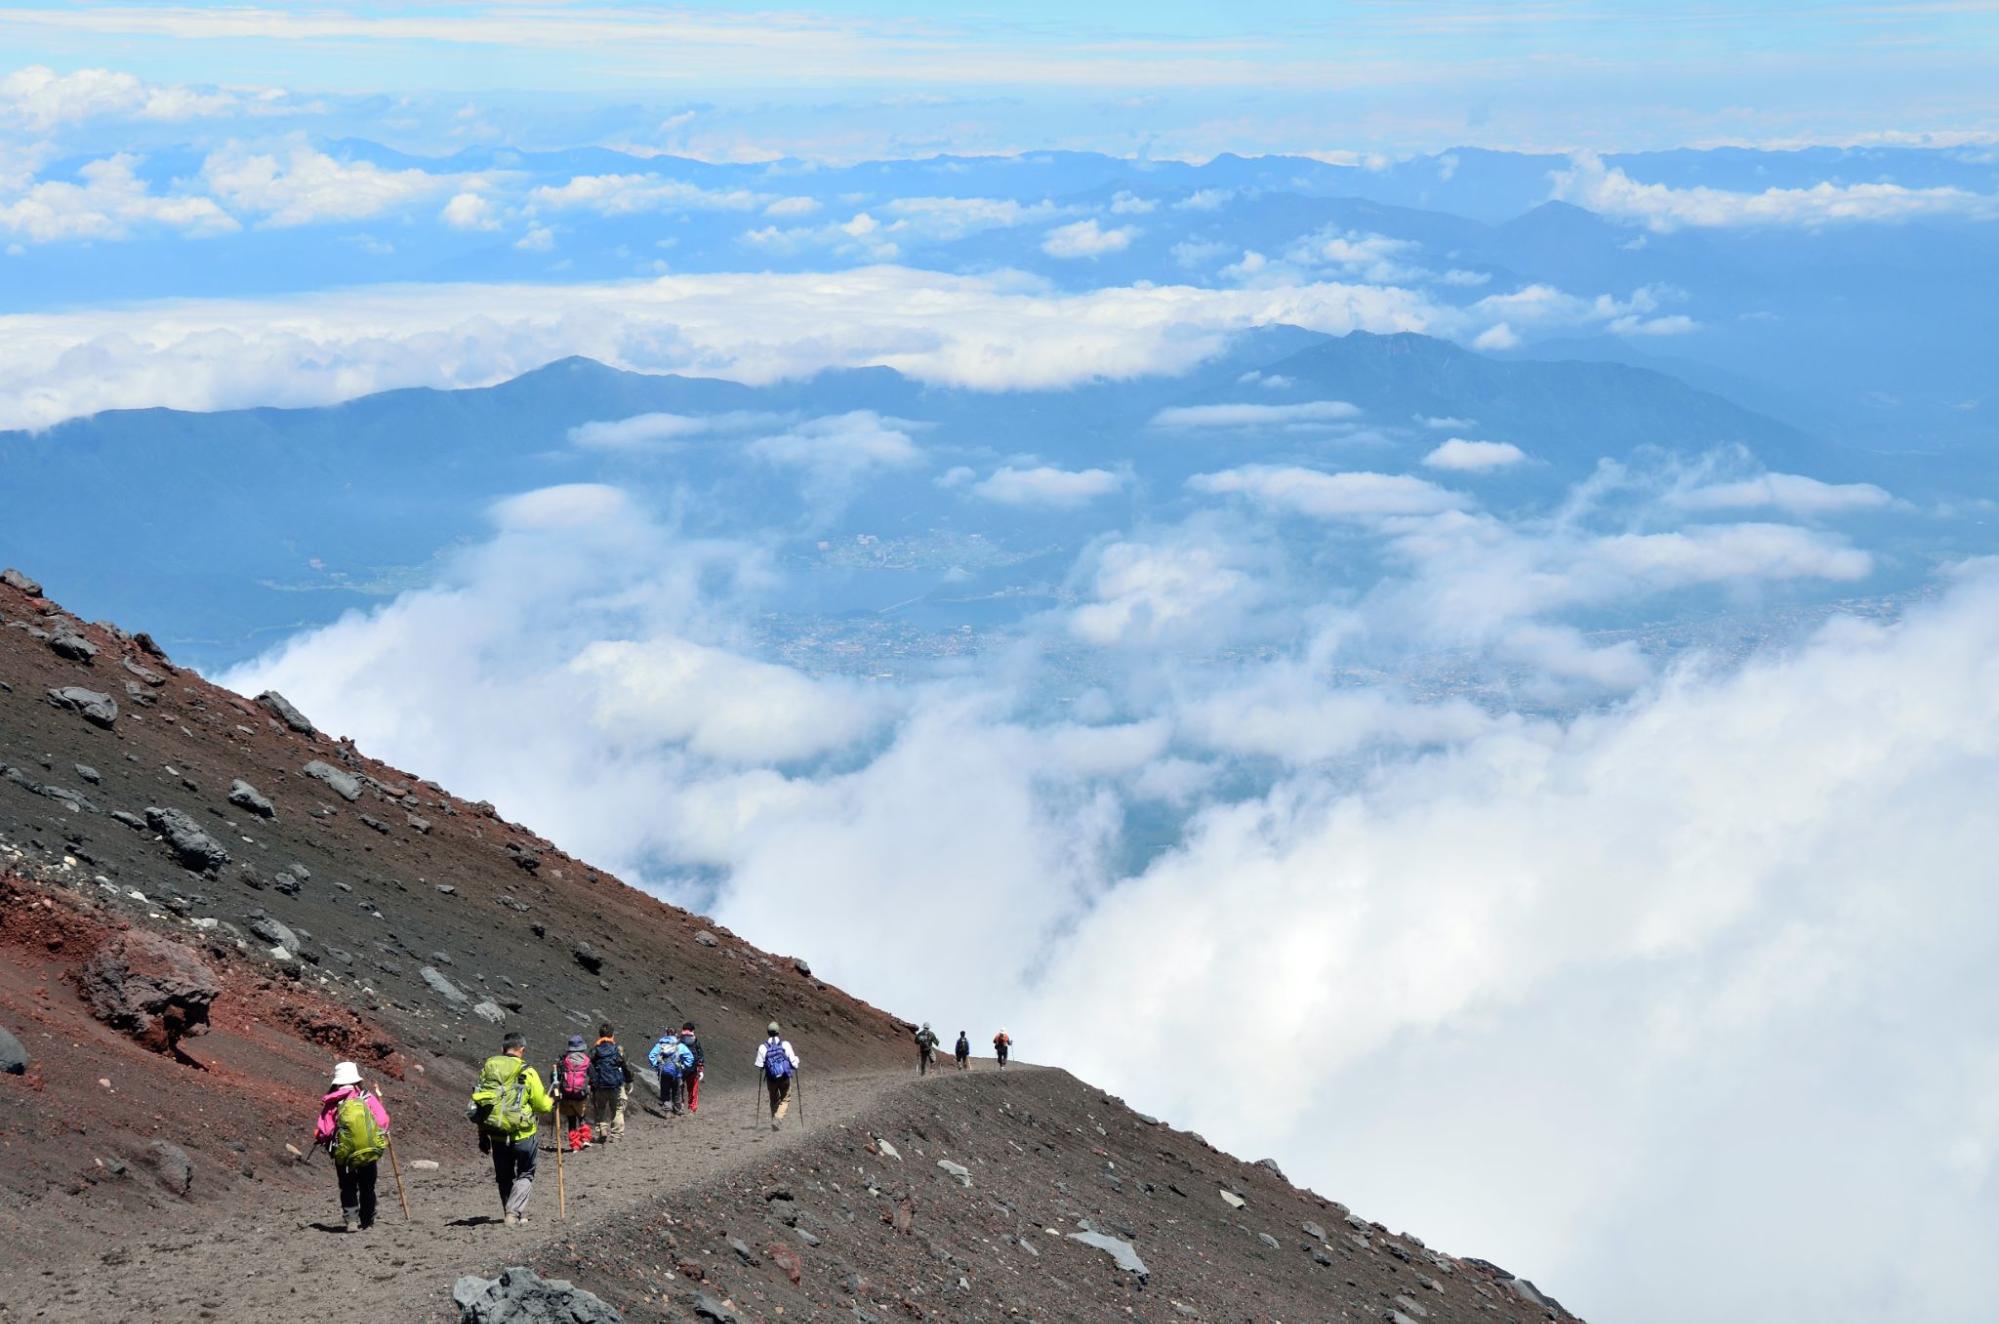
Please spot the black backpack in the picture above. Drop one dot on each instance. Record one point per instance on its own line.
(607, 1068)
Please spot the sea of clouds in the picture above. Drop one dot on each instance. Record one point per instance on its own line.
(1633, 966)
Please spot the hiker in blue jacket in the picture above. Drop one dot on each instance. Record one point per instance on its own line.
(673, 1060)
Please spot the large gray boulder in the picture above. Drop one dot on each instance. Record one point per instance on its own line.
(343, 784)
(522, 1296)
(13, 578)
(97, 709)
(150, 988)
(281, 708)
(190, 845)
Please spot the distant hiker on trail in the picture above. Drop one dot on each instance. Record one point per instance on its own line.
(963, 1052)
(674, 1061)
(610, 1085)
(926, 1049)
(689, 1040)
(779, 1065)
(571, 1077)
(505, 1103)
(354, 1127)
(1001, 1043)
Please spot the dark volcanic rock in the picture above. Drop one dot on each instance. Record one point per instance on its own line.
(588, 957)
(97, 709)
(242, 794)
(13, 1057)
(190, 845)
(154, 990)
(522, 1296)
(282, 709)
(68, 643)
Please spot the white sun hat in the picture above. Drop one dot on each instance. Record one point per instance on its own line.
(346, 1073)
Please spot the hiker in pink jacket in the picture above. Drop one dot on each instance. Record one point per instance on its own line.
(354, 1127)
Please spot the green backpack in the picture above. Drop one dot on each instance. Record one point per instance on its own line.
(357, 1137)
(501, 1106)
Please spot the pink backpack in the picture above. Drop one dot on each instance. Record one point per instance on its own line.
(576, 1075)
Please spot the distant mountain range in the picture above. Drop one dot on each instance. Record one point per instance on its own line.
(329, 508)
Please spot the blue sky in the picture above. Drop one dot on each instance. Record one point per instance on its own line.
(1181, 79)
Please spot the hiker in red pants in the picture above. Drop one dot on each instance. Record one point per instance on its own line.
(693, 1081)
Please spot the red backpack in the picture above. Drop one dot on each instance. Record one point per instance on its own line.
(576, 1075)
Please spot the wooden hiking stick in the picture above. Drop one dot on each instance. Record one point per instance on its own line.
(395, 1167)
(798, 1083)
(561, 1143)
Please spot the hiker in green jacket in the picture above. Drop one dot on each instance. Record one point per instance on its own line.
(508, 1097)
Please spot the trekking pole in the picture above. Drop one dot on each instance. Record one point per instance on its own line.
(394, 1166)
(798, 1080)
(561, 1143)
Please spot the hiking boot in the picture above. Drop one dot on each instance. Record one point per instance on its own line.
(773, 1123)
(510, 1218)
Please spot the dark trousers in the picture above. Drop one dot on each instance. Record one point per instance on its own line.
(357, 1191)
(964, 1060)
(923, 1059)
(513, 1160)
(672, 1092)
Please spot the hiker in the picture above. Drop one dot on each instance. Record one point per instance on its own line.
(963, 1051)
(692, 1041)
(926, 1049)
(674, 1061)
(779, 1064)
(610, 1085)
(571, 1077)
(505, 1104)
(354, 1127)
(1001, 1043)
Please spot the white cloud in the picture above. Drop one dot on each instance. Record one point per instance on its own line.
(1207, 199)
(469, 211)
(1793, 493)
(1130, 204)
(109, 202)
(1610, 192)
(718, 704)
(537, 239)
(954, 218)
(625, 195)
(1149, 593)
(1370, 257)
(300, 185)
(40, 99)
(1352, 495)
(1254, 416)
(1086, 238)
(1464, 456)
(786, 208)
(658, 431)
(1498, 336)
(1063, 489)
(836, 454)
(991, 332)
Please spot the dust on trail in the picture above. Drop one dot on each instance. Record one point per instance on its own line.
(289, 1257)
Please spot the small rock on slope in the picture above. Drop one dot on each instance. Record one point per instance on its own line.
(443, 987)
(246, 796)
(1121, 1251)
(13, 578)
(190, 845)
(13, 1057)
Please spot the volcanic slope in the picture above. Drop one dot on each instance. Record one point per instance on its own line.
(204, 902)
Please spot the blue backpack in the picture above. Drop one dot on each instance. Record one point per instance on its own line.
(777, 1062)
(667, 1056)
